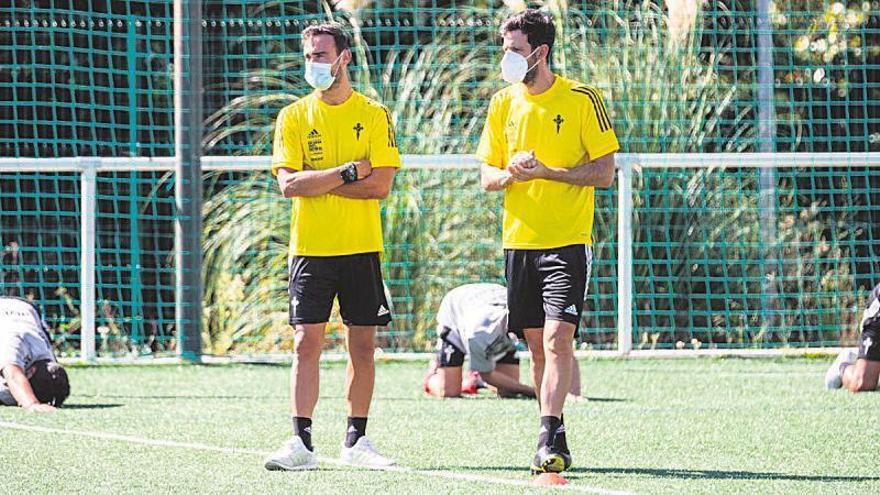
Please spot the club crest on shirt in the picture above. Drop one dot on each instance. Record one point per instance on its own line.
(558, 121)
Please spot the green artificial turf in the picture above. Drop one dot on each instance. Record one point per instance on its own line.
(651, 426)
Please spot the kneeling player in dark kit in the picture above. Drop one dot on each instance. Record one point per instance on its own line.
(859, 371)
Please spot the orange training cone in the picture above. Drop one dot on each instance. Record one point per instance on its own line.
(549, 479)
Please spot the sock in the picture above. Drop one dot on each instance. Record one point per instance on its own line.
(843, 368)
(549, 425)
(559, 441)
(302, 427)
(357, 427)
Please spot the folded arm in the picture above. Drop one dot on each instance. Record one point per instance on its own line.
(308, 183)
(376, 186)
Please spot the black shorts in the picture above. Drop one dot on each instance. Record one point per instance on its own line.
(869, 345)
(869, 341)
(546, 284)
(355, 279)
(449, 356)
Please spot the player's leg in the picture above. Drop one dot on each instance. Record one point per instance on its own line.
(444, 376)
(308, 341)
(311, 291)
(360, 374)
(859, 371)
(553, 453)
(861, 376)
(508, 369)
(509, 366)
(563, 274)
(525, 307)
(559, 363)
(446, 382)
(534, 338)
(363, 306)
(574, 392)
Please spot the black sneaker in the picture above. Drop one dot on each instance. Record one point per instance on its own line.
(549, 460)
(565, 453)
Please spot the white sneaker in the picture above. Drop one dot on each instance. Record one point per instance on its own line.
(292, 456)
(364, 454)
(833, 379)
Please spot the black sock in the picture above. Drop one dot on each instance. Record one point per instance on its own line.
(357, 427)
(549, 425)
(559, 441)
(302, 427)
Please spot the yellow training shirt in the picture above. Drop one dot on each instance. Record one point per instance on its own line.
(312, 133)
(566, 126)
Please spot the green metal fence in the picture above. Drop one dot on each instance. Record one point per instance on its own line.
(94, 78)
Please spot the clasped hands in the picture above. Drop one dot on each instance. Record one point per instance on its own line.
(523, 167)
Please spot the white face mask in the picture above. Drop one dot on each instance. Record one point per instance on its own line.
(514, 66)
(320, 76)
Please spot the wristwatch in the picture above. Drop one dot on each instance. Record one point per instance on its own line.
(349, 173)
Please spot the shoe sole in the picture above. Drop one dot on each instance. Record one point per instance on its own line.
(274, 466)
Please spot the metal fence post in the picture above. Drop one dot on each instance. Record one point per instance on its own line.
(88, 211)
(188, 178)
(767, 182)
(624, 255)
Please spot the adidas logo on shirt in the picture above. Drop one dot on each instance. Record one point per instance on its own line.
(382, 311)
(572, 310)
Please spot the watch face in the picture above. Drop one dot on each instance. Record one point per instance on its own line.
(350, 173)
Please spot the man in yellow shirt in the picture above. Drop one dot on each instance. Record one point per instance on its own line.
(547, 143)
(335, 156)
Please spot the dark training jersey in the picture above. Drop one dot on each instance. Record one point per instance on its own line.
(869, 341)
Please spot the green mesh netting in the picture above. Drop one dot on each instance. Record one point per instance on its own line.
(93, 78)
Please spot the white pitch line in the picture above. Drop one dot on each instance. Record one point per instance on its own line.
(232, 450)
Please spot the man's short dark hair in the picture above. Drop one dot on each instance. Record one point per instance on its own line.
(340, 36)
(49, 383)
(536, 25)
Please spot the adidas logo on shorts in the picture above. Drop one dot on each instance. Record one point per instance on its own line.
(572, 310)
(382, 311)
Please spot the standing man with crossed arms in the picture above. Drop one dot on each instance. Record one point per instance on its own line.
(547, 143)
(335, 156)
